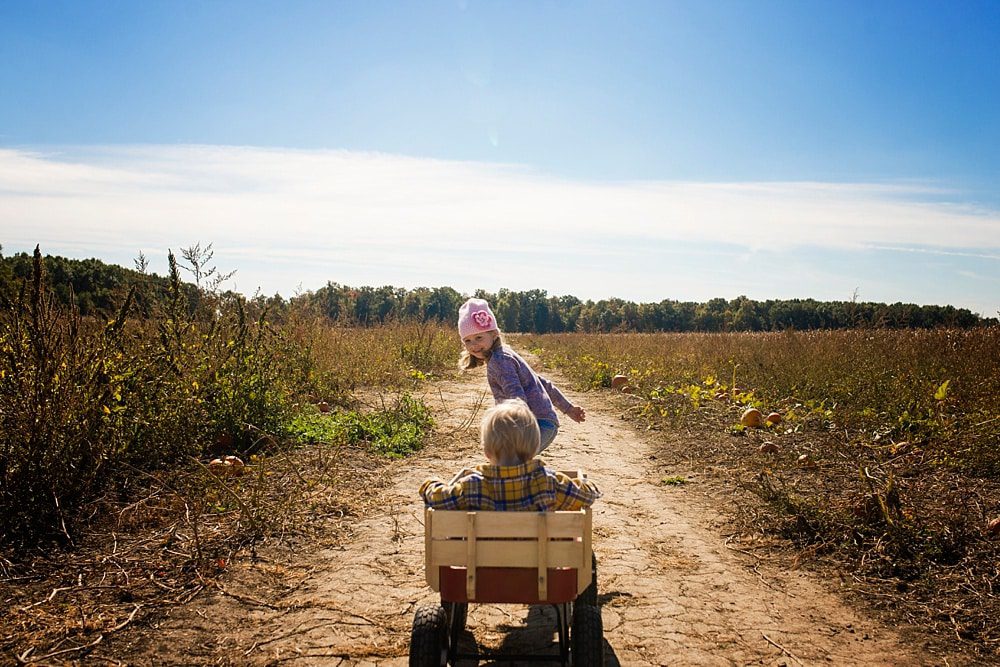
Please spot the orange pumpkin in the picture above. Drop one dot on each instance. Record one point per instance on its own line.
(752, 418)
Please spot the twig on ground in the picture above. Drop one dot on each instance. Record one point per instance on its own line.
(781, 648)
(23, 658)
(246, 599)
(297, 631)
(768, 584)
(127, 620)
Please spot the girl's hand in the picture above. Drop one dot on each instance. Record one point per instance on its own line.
(577, 414)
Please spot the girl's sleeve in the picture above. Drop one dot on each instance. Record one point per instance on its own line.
(506, 377)
(555, 395)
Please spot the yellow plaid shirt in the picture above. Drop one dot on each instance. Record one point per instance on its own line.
(526, 487)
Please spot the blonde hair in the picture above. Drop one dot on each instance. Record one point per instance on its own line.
(510, 432)
(467, 361)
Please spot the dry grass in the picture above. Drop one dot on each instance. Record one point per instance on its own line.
(109, 511)
(139, 558)
(342, 359)
(901, 437)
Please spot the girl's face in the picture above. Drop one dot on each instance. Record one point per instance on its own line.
(478, 344)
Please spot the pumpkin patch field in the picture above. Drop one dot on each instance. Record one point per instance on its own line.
(196, 450)
(874, 452)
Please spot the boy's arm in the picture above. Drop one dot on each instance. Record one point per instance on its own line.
(574, 493)
(441, 496)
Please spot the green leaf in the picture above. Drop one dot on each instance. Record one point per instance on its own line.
(942, 391)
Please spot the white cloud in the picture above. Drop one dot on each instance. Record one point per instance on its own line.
(353, 217)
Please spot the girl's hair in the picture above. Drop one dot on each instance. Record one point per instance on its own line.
(510, 431)
(467, 361)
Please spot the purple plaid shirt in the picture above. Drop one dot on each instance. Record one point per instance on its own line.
(510, 376)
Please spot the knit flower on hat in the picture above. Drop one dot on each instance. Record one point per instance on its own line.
(483, 319)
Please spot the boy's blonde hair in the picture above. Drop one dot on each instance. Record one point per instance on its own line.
(510, 432)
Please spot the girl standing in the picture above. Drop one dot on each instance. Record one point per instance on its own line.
(509, 375)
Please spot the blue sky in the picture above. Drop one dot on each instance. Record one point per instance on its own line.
(645, 150)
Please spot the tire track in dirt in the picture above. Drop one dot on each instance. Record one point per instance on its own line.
(672, 592)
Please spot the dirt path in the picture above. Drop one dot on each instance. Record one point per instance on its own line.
(673, 592)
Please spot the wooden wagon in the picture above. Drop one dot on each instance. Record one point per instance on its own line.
(509, 557)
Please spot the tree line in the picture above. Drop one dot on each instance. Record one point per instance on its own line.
(534, 311)
(97, 288)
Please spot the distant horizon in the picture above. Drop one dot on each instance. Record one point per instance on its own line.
(186, 277)
(774, 149)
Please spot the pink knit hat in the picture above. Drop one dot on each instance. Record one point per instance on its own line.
(474, 317)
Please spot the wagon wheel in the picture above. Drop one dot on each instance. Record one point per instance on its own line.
(587, 636)
(429, 639)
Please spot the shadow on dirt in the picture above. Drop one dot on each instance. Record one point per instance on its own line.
(537, 635)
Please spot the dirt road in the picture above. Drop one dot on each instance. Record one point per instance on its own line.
(673, 591)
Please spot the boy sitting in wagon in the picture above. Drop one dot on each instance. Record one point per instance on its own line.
(513, 479)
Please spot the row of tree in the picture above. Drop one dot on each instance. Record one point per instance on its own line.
(537, 312)
(97, 288)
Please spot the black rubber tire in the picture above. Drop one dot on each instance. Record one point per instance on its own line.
(429, 639)
(586, 639)
(589, 594)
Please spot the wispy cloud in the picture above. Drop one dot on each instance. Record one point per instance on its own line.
(350, 216)
(941, 251)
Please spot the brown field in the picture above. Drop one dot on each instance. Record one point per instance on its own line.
(885, 463)
(883, 468)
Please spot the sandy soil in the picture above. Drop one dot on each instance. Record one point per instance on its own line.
(673, 590)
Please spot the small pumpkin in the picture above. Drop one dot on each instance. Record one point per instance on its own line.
(752, 418)
(236, 465)
(773, 418)
(619, 381)
(768, 447)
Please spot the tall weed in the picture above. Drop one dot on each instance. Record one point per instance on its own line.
(87, 405)
(57, 391)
